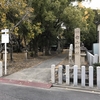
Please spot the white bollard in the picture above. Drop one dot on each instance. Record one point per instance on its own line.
(83, 76)
(1, 69)
(53, 73)
(91, 76)
(67, 75)
(75, 75)
(98, 76)
(60, 74)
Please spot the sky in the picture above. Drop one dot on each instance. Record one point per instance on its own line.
(94, 4)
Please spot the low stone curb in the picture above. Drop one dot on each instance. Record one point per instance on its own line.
(86, 88)
(26, 83)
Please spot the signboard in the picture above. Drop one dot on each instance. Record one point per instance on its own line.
(5, 38)
(5, 30)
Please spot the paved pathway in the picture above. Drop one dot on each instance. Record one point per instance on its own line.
(38, 73)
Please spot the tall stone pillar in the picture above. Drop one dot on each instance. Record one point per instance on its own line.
(77, 46)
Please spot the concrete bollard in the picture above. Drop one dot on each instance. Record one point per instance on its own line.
(67, 75)
(1, 69)
(98, 77)
(91, 76)
(83, 76)
(75, 75)
(53, 73)
(60, 74)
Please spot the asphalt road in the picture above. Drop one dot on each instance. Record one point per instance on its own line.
(13, 92)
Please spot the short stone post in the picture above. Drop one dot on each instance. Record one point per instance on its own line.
(91, 76)
(67, 75)
(83, 76)
(98, 77)
(26, 54)
(1, 69)
(53, 73)
(60, 74)
(75, 75)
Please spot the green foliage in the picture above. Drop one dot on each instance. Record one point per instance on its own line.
(12, 11)
(42, 19)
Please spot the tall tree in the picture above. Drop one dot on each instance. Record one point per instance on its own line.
(51, 14)
(12, 13)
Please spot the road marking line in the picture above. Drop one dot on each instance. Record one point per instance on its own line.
(86, 91)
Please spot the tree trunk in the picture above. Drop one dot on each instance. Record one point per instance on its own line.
(47, 48)
(36, 49)
(11, 53)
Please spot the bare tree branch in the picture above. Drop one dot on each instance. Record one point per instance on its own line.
(20, 21)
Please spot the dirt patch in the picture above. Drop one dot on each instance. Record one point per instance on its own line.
(19, 62)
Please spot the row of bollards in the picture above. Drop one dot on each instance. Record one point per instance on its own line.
(83, 76)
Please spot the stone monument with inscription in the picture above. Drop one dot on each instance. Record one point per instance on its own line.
(77, 46)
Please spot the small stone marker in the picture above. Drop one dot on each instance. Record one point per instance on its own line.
(77, 46)
(26, 54)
